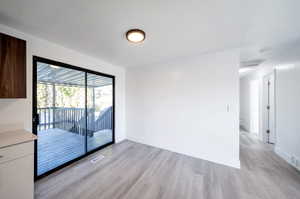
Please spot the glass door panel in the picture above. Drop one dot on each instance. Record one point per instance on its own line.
(61, 129)
(99, 111)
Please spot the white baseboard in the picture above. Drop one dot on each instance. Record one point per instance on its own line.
(292, 160)
(119, 139)
(231, 163)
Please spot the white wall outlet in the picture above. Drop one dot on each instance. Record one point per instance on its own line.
(298, 164)
(293, 160)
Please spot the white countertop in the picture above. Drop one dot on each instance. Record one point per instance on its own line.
(13, 137)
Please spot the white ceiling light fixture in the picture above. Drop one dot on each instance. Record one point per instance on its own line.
(285, 67)
(245, 70)
(55, 67)
(135, 35)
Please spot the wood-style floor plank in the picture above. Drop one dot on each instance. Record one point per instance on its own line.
(135, 171)
(57, 146)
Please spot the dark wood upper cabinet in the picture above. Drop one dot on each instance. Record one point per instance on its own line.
(12, 67)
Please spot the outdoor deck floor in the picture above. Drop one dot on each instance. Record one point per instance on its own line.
(57, 146)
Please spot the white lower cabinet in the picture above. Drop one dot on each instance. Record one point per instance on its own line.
(16, 171)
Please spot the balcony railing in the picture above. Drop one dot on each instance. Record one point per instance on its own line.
(74, 119)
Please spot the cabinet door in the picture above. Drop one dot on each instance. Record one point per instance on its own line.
(12, 67)
(16, 178)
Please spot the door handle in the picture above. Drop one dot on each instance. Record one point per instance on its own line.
(36, 119)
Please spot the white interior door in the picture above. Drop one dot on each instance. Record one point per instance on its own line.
(269, 133)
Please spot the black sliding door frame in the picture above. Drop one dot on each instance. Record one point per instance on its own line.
(37, 59)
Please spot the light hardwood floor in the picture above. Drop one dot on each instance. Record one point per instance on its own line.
(135, 171)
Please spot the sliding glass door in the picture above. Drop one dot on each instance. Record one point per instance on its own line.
(72, 113)
(61, 115)
(100, 109)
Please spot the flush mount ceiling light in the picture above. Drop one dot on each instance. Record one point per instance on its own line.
(245, 70)
(53, 66)
(135, 35)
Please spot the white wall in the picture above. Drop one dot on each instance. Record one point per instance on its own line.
(245, 104)
(182, 107)
(250, 103)
(17, 113)
(288, 111)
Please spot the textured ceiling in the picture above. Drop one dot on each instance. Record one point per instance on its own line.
(174, 28)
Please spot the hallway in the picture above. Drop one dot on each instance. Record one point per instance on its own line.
(264, 173)
(131, 170)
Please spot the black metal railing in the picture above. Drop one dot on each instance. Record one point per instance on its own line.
(104, 121)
